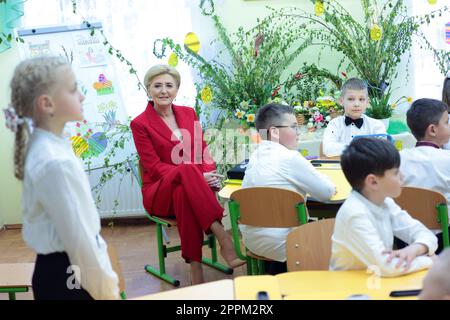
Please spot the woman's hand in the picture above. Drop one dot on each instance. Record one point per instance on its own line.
(213, 179)
(406, 255)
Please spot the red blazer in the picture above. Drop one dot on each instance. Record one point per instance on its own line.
(160, 152)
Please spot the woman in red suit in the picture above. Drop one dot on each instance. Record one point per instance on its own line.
(178, 173)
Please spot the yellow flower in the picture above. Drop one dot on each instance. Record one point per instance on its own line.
(409, 99)
(251, 117)
(376, 32)
(306, 104)
(319, 8)
(432, 2)
(173, 60)
(206, 95)
(394, 105)
(239, 114)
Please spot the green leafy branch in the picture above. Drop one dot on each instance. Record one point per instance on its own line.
(375, 58)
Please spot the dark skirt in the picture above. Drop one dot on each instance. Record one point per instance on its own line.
(54, 279)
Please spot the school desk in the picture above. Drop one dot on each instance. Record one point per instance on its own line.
(217, 290)
(15, 278)
(338, 285)
(332, 170)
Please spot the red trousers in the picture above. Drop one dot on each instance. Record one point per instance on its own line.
(184, 193)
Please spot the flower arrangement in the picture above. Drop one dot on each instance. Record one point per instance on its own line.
(316, 114)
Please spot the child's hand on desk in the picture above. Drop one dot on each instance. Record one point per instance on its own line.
(213, 179)
(406, 255)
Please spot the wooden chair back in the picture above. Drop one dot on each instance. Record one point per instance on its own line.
(308, 247)
(421, 205)
(268, 207)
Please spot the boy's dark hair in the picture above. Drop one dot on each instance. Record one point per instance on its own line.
(422, 113)
(365, 156)
(353, 84)
(446, 93)
(270, 115)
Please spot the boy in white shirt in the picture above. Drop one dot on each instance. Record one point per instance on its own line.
(369, 219)
(341, 130)
(427, 165)
(436, 285)
(277, 163)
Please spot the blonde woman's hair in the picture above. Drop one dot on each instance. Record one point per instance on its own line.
(32, 78)
(158, 70)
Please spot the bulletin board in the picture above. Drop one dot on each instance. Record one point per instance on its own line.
(97, 80)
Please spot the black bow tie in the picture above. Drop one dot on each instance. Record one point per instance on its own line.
(358, 122)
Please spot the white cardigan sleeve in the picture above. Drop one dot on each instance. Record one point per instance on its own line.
(302, 174)
(363, 241)
(59, 189)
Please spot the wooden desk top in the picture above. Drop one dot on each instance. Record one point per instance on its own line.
(342, 284)
(217, 290)
(247, 287)
(16, 275)
(332, 171)
(301, 285)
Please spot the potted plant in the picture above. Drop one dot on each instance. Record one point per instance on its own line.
(381, 108)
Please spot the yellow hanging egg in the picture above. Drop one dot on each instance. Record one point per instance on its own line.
(376, 32)
(173, 60)
(319, 8)
(192, 42)
(79, 145)
(432, 1)
(206, 95)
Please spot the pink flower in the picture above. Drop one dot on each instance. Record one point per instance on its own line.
(318, 117)
(298, 76)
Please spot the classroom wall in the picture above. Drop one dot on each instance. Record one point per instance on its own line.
(10, 187)
(233, 13)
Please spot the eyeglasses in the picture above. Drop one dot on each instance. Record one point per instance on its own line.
(294, 127)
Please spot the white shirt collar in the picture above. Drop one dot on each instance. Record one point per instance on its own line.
(378, 211)
(41, 133)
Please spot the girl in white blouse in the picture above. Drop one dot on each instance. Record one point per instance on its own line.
(61, 222)
(369, 219)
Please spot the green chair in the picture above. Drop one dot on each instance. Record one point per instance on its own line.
(427, 206)
(264, 207)
(164, 249)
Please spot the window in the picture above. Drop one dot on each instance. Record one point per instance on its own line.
(427, 77)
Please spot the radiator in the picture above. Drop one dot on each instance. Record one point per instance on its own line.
(128, 196)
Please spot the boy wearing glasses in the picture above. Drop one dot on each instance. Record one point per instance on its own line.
(277, 163)
(341, 130)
